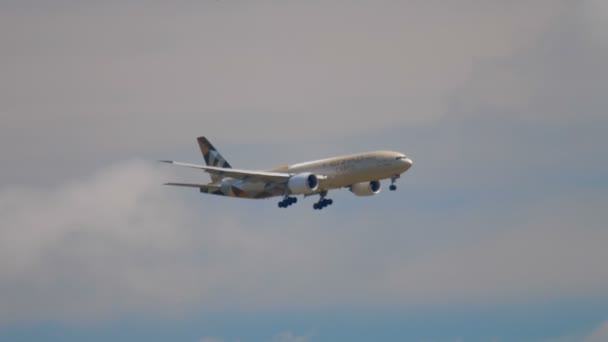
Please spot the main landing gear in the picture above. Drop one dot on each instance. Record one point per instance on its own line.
(287, 201)
(393, 187)
(323, 202)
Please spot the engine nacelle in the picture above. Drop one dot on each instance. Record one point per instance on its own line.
(303, 183)
(366, 188)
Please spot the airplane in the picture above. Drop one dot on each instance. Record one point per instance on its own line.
(360, 173)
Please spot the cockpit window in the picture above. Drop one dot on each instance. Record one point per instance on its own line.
(400, 157)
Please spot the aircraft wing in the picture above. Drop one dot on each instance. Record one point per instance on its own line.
(206, 188)
(263, 176)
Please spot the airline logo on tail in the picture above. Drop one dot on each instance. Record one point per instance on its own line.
(212, 156)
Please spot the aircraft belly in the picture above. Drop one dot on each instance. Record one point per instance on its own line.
(247, 189)
(340, 180)
(252, 186)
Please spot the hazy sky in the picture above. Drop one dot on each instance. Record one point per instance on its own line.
(498, 232)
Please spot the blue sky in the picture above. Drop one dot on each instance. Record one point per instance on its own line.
(451, 325)
(498, 232)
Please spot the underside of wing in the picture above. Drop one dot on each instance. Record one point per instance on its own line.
(263, 176)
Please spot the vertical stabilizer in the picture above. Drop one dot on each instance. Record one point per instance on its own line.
(212, 156)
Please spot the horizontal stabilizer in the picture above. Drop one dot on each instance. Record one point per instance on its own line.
(193, 185)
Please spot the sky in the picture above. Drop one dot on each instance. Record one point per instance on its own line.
(497, 233)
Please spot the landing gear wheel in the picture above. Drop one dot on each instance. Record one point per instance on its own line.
(323, 202)
(287, 201)
(393, 187)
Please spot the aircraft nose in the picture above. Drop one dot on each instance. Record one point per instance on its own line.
(407, 163)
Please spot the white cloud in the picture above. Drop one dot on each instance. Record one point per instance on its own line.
(93, 247)
(555, 251)
(119, 243)
(225, 68)
(75, 90)
(141, 87)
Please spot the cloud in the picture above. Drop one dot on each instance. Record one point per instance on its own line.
(595, 14)
(599, 334)
(210, 339)
(499, 66)
(289, 337)
(159, 76)
(556, 79)
(92, 247)
(554, 252)
(118, 243)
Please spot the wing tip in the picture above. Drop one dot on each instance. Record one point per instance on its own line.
(167, 161)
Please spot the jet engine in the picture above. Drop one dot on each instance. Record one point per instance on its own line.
(303, 183)
(366, 188)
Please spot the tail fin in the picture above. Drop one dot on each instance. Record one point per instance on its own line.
(212, 156)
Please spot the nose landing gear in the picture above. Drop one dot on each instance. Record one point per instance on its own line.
(393, 187)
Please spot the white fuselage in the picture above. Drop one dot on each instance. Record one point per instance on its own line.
(339, 172)
(356, 168)
(361, 173)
